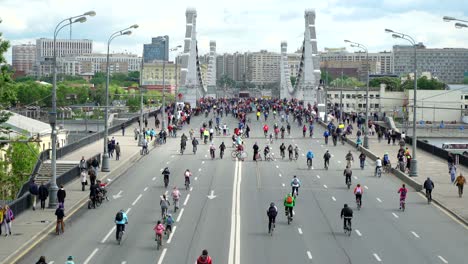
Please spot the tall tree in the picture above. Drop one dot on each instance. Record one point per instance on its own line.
(393, 83)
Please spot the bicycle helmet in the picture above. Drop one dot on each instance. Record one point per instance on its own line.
(345, 205)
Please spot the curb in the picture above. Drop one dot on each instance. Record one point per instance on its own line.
(448, 210)
(50, 228)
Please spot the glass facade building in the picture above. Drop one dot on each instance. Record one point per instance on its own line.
(157, 50)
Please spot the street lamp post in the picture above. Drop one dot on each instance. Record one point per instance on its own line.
(457, 25)
(366, 131)
(414, 162)
(53, 188)
(105, 157)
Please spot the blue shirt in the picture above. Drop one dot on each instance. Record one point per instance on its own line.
(310, 155)
(124, 219)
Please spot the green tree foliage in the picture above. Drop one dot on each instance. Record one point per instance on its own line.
(393, 83)
(346, 82)
(465, 80)
(293, 80)
(424, 84)
(226, 81)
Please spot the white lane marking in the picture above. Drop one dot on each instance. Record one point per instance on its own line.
(333, 198)
(309, 254)
(91, 256)
(199, 169)
(331, 154)
(128, 210)
(355, 177)
(167, 162)
(237, 255)
(303, 155)
(395, 215)
(414, 234)
(277, 166)
(206, 156)
(136, 200)
(325, 186)
(234, 241)
(191, 188)
(445, 212)
(163, 254)
(146, 188)
(124, 262)
(284, 185)
(172, 156)
(108, 235)
(180, 214)
(280, 175)
(294, 213)
(377, 257)
(317, 141)
(203, 162)
(378, 199)
(52, 262)
(443, 260)
(172, 233)
(154, 178)
(358, 233)
(339, 161)
(186, 199)
(299, 230)
(318, 176)
(365, 186)
(196, 178)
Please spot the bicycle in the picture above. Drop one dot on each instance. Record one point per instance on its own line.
(378, 172)
(270, 157)
(182, 149)
(387, 168)
(194, 150)
(327, 163)
(347, 228)
(176, 204)
(309, 163)
(402, 205)
(358, 203)
(288, 216)
(120, 234)
(272, 228)
(166, 182)
(144, 151)
(221, 154)
(187, 183)
(282, 154)
(158, 241)
(348, 182)
(429, 196)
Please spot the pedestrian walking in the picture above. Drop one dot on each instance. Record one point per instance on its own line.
(61, 194)
(95, 165)
(60, 213)
(136, 132)
(42, 260)
(92, 177)
(43, 194)
(83, 164)
(156, 122)
(146, 122)
(109, 148)
(122, 127)
(84, 180)
(8, 218)
(117, 151)
(34, 191)
(460, 182)
(453, 172)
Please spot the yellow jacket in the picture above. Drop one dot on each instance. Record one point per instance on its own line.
(2, 211)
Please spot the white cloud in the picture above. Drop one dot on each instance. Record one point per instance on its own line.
(240, 25)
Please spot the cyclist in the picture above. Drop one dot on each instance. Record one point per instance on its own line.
(358, 193)
(282, 149)
(386, 159)
(212, 150)
(326, 134)
(289, 203)
(310, 156)
(265, 130)
(304, 130)
(347, 173)
(164, 203)
(296, 152)
(282, 129)
(159, 229)
(428, 185)
(295, 184)
(166, 174)
(169, 222)
(290, 151)
(187, 175)
(326, 159)
(347, 214)
(204, 258)
(222, 147)
(362, 160)
(402, 191)
(378, 165)
(266, 151)
(121, 220)
(194, 144)
(349, 159)
(272, 212)
(176, 196)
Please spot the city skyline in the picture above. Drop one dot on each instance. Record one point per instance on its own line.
(240, 27)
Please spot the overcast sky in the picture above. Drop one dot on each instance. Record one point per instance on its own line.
(239, 25)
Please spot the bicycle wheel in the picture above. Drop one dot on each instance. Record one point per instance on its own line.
(234, 154)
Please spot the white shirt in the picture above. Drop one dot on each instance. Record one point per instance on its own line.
(378, 163)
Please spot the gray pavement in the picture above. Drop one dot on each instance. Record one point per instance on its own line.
(233, 225)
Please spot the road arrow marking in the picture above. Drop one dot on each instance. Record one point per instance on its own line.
(118, 195)
(211, 196)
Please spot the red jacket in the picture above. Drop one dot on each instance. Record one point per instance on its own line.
(200, 260)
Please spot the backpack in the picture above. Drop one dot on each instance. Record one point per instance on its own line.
(289, 200)
(119, 217)
(295, 181)
(327, 155)
(272, 211)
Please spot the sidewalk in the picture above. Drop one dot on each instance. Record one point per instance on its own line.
(431, 166)
(31, 227)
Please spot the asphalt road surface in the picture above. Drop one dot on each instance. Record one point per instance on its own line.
(225, 212)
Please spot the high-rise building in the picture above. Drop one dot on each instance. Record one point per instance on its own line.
(88, 64)
(23, 59)
(64, 47)
(448, 64)
(263, 67)
(232, 65)
(384, 59)
(157, 50)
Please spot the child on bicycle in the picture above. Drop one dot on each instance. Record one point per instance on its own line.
(159, 229)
